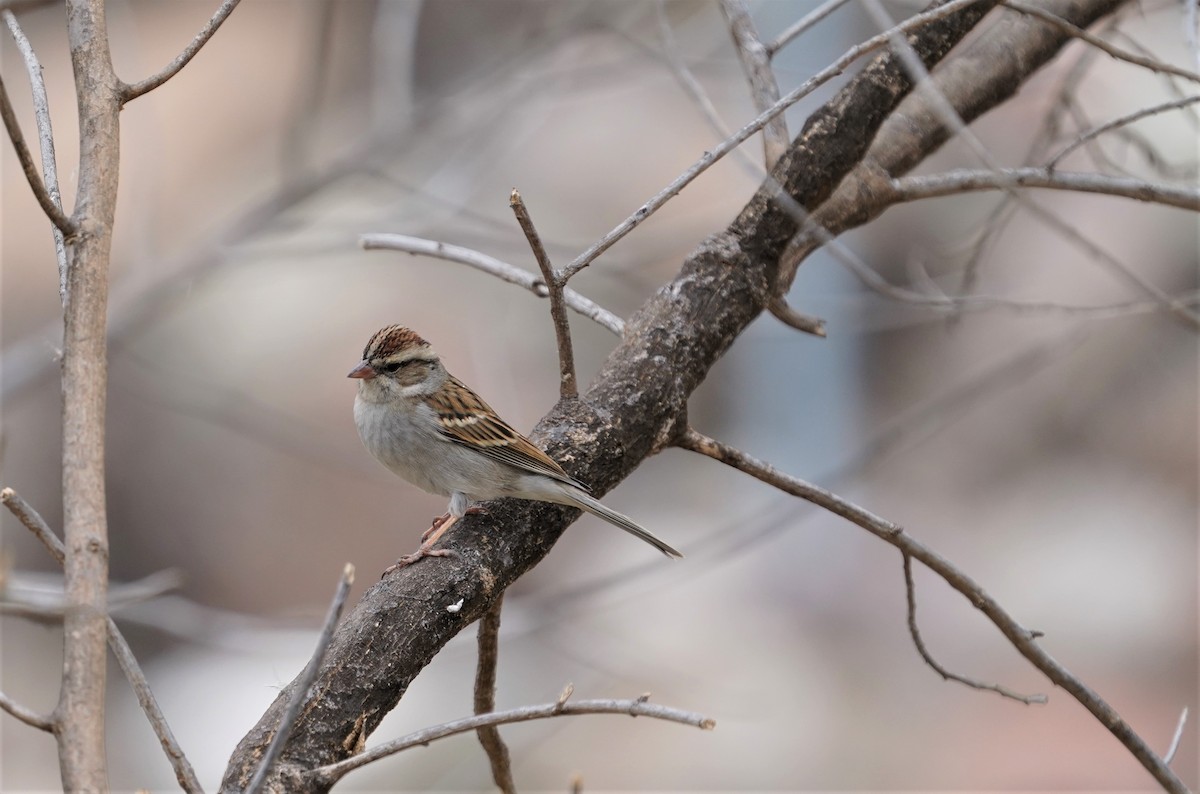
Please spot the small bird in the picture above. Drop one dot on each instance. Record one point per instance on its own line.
(425, 425)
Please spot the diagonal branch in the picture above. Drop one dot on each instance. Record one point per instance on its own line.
(1024, 640)
(128, 92)
(756, 63)
(25, 715)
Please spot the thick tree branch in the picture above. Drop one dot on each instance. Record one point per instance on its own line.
(635, 407)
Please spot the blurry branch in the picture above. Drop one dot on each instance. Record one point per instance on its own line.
(485, 698)
(41, 113)
(1169, 756)
(307, 677)
(756, 63)
(568, 388)
(300, 131)
(913, 188)
(803, 24)
(1095, 132)
(656, 202)
(1067, 27)
(495, 267)
(47, 604)
(639, 707)
(128, 92)
(1024, 640)
(125, 658)
(915, 633)
(27, 716)
(53, 211)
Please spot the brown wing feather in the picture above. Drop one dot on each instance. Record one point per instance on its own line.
(466, 419)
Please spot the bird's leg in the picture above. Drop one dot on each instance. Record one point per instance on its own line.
(430, 537)
(437, 523)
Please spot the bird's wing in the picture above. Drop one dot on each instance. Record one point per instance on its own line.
(466, 419)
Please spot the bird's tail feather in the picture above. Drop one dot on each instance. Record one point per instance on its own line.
(585, 502)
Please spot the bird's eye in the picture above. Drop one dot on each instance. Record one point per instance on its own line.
(394, 366)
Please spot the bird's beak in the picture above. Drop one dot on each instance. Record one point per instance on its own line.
(363, 371)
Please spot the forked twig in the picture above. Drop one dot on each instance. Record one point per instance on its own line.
(26, 715)
(637, 707)
(911, 594)
(287, 720)
(53, 212)
(555, 281)
(120, 648)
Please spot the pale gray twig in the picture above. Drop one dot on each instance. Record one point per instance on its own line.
(1116, 123)
(495, 267)
(27, 716)
(120, 648)
(52, 210)
(638, 707)
(568, 388)
(756, 63)
(287, 720)
(1169, 756)
(804, 23)
(485, 698)
(130, 92)
(41, 114)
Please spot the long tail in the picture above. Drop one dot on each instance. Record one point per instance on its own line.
(585, 502)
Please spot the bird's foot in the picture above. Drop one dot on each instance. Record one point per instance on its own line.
(409, 559)
(476, 510)
(438, 521)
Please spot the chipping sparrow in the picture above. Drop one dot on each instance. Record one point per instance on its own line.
(425, 425)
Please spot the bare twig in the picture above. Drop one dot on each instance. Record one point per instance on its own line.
(328, 775)
(1024, 640)
(804, 23)
(568, 387)
(1116, 123)
(485, 698)
(53, 212)
(910, 592)
(911, 188)
(756, 63)
(27, 716)
(1153, 64)
(128, 92)
(120, 648)
(288, 720)
(720, 150)
(34, 522)
(41, 113)
(1169, 756)
(495, 267)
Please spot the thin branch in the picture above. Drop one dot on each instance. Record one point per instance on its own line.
(485, 698)
(53, 212)
(780, 309)
(1116, 123)
(756, 63)
(1174, 748)
(27, 716)
(1153, 64)
(911, 594)
(288, 720)
(804, 23)
(495, 267)
(41, 114)
(1024, 640)
(638, 707)
(912, 188)
(729, 144)
(120, 648)
(34, 522)
(131, 92)
(568, 387)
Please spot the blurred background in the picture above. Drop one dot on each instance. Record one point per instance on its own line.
(1051, 454)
